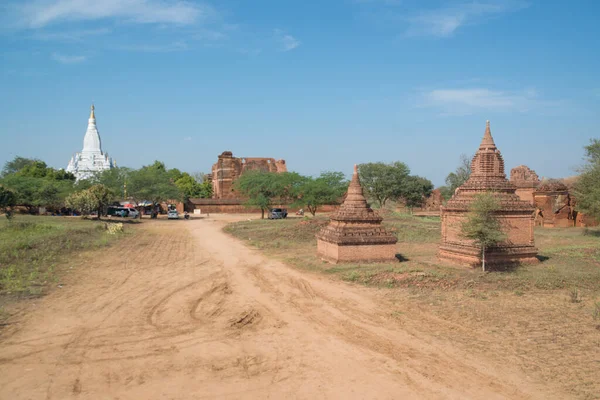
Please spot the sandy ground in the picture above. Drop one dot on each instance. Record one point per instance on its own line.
(187, 312)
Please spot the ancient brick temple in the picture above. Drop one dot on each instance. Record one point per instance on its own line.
(555, 207)
(516, 215)
(355, 233)
(228, 168)
(526, 181)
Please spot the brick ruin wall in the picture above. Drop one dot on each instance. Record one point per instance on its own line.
(517, 227)
(228, 169)
(365, 253)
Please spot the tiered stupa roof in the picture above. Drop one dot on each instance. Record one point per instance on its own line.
(515, 215)
(355, 223)
(487, 175)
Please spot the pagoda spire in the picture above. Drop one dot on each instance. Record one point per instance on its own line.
(488, 140)
(92, 115)
(355, 197)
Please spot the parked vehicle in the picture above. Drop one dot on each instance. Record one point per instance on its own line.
(123, 212)
(172, 214)
(278, 213)
(133, 213)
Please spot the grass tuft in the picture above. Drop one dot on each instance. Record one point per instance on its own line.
(31, 246)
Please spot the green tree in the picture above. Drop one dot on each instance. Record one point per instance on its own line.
(587, 187)
(446, 192)
(17, 164)
(383, 181)
(415, 190)
(260, 188)
(28, 190)
(83, 201)
(96, 198)
(328, 188)
(8, 199)
(458, 177)
(115, 179)
(152, 183)
(103, 196)
(482, 225)
(37, 185)
(191, 188)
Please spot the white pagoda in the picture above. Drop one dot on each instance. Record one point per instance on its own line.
(91, 159)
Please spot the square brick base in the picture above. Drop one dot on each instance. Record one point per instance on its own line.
(356, 253)
(471, 257)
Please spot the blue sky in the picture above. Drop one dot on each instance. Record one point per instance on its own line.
(322, 84)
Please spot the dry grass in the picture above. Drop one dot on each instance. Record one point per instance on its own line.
(32, 248)
(544, 318)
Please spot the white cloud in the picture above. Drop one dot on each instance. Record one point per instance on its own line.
(287, 42)
(40, 13)
(64, 59)
(154, 48)
(470, 101)
(70, 36)
(444, 22)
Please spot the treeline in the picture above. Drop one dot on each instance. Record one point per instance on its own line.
(30, 183)
(381, 182)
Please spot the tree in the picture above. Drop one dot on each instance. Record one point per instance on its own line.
(152, 183)
(103, 196)
(96, 198)
(7, 201)
(383, 181)
(460, 176)
(191, 188)
(83, 201)
(587, 187)
(261, 188)
(415, 190)
(115, 179)
(17, 164)
(482, 225)
(446, 192)
(37, 185)
(328, 188)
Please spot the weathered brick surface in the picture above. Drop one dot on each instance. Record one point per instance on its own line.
(516, 215)
(364, 253)
(229, 168)
(526, 181)
(355, 232)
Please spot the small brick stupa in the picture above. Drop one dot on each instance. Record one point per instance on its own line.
(354, 233)
(516, 215)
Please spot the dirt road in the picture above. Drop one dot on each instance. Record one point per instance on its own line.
(187, 312)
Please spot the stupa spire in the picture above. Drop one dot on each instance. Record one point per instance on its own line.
(92, 115)
(488, 140)
(355, 232)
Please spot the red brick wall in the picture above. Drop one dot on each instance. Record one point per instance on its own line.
(366, 253)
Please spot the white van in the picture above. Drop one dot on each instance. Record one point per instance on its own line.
(173, 214)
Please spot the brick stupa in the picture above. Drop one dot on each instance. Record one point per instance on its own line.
(354, 233)
(515, 215)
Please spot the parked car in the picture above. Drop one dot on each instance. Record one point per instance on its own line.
(132, 212)
(123, 212)
(278, 213)
(173, 214)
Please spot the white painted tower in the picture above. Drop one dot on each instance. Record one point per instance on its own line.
(91, 159)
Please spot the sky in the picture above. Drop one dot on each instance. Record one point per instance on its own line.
(323, 84)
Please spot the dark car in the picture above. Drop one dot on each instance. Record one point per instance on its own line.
(278, 213)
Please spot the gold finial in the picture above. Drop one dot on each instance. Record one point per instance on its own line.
(92, 108)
